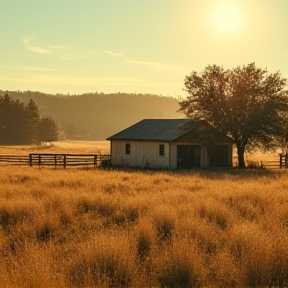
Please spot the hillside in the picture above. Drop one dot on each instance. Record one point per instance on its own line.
(96, 116)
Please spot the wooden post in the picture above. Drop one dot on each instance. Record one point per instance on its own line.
(55, 160)
(280, 155)
(286, 160)
(30, 160)
(64, 163)
(95, 161)
(39, 159)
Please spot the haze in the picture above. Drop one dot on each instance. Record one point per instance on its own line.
(142, 46)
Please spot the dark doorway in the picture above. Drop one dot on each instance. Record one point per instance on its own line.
(218, 155)
(188, 156)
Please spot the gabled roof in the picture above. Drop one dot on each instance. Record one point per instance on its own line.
(156, 130)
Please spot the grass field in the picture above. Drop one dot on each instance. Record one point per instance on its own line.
(104, 228)
(93, 147)
(98, 228)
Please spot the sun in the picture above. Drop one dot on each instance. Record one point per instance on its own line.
(227, 17)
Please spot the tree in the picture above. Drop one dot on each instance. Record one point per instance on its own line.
(20, 124)
(247, 103)
(5, 102)
(33, 118)
(12, 121)
(17, 124)
(47, 130)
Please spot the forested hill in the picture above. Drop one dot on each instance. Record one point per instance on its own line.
(96, 116)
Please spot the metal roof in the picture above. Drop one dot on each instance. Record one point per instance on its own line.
(156, 130)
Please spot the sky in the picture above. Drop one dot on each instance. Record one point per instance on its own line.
(135, 46)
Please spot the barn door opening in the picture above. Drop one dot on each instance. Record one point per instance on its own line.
(188, 156)
(218, 155)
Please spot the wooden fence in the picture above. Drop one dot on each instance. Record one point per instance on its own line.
(279, 162)
(99, 160)
(14, 160)
(57, 160)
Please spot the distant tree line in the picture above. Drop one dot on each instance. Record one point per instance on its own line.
(23, 124)
(97, 115)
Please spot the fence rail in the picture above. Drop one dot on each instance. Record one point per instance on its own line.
(57, 160)
(14, 160)
(97, 160)
(272, 164)
(281, 162)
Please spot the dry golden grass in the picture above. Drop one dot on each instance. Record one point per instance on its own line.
(93, 147)
(98, 228)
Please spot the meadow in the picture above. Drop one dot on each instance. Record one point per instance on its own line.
(93, 147)
(107, 228)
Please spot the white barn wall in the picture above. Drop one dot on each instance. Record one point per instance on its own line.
(143, 154)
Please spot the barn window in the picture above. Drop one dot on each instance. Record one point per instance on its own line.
(161, 150)
(127, 148)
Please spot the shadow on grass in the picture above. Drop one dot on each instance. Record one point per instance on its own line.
(214, 173)
(236, 173)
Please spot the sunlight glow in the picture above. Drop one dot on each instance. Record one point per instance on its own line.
(227, 17)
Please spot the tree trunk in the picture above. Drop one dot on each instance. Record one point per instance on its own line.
(240, 152)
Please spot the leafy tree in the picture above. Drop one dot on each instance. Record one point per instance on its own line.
(12, 121)
(5, 101)
(47, 130)
(17, 123)
(33, 118)
(20, 124)
(247, 103)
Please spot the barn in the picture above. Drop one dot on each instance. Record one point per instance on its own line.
(170, 144)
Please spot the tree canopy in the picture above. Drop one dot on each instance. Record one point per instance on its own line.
(20, 124)
(247, 103)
